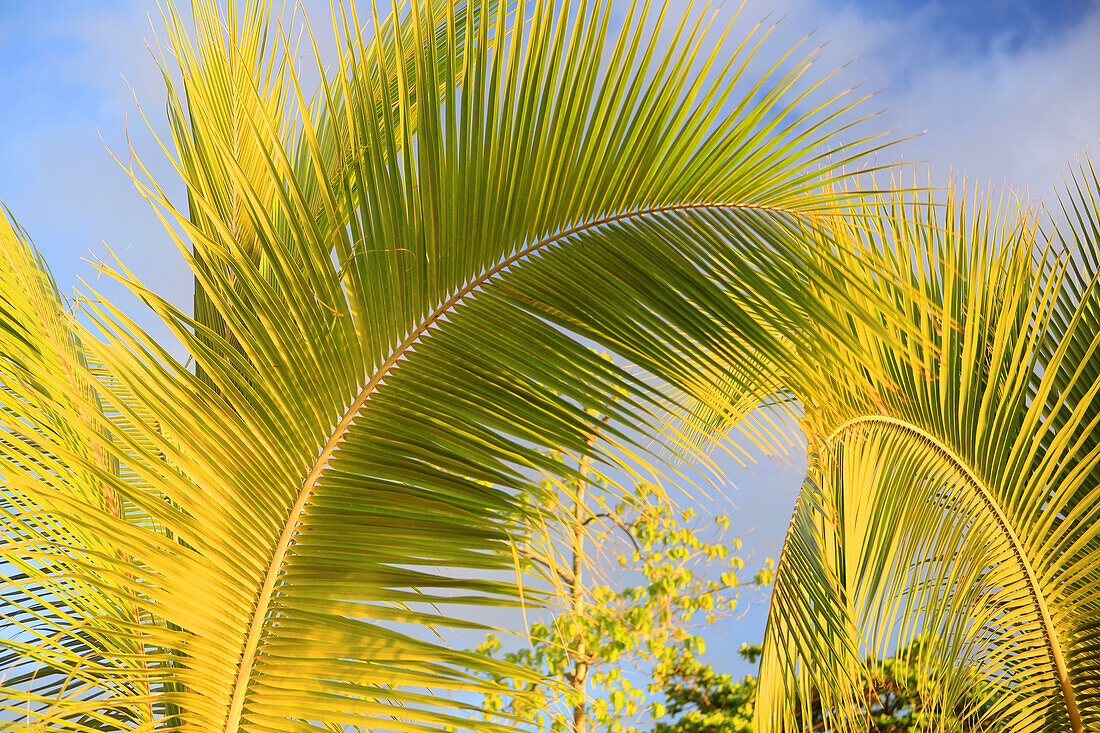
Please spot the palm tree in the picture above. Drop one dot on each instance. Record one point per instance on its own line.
(396, 281)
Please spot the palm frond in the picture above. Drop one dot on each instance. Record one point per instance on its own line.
(952, 501)
(66, 593)
(397, 286)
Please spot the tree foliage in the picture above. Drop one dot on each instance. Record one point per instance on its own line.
(633, 623)
(393, 279)
(703, 701)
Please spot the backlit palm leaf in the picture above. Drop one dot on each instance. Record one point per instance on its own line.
(64, 602)
(391, 285)
(955, 500)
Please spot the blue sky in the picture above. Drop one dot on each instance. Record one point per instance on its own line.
(1003, 91)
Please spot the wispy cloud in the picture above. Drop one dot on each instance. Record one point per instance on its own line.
(1007, 102)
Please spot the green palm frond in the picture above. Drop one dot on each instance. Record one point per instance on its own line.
(66, 594)
(395, 291)
(954, 500)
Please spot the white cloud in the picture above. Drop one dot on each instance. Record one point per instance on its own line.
(1018, 119)
(999, 117)
(995, 111)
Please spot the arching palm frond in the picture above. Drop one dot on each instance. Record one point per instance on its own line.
(954, 502)
(395, 289)
(1075, 358)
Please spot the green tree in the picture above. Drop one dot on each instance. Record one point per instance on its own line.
(702, 701)
(699, 700)
(952, 490)
(619, 613)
